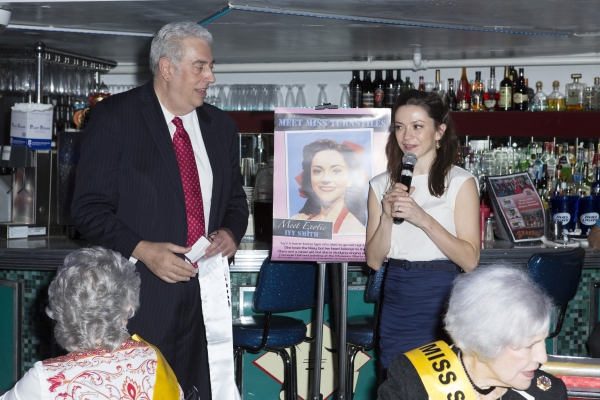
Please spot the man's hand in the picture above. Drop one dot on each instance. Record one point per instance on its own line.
(221, 241)
(160, 258)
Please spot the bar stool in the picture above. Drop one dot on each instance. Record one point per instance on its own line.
(281, 287)
(559, 274)
(361, 331)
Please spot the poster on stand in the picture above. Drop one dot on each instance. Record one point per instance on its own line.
(517, 207)
(324, 160)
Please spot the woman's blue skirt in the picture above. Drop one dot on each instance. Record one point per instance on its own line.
(414, 303)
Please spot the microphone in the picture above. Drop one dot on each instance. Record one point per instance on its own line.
(408, 166)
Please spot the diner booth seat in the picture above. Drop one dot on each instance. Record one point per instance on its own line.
(281, 287)
(559, 273)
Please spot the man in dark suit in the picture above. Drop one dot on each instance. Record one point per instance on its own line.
(130, 194)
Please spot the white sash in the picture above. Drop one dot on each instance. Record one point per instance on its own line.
(213, 276)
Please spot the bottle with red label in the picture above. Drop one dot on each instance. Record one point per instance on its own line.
(378, 90)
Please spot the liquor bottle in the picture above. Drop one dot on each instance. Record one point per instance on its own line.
(592, 160)
(577, 165)
(586, 183)
(399, 84)
(595, 187)
(378, 90)
(389, 89)
(514, 76)
(520, 96)
(439, 86)
(505, 100)
(574, 92)
(543, 181)
(421, 86)
(463, 93)
(450, 96)
(596, 94)
(355, 90)
(563, 161)
(368, 94)
(556, 100)
(491, 96)
(525, 161)
(537, 166)
(477, 93)
(550, 161)
(539, 102)
(407, 85)
(568, 169)
(530, 91)
(588, 99)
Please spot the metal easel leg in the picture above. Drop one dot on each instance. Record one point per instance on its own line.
(316, 387)
(342, 319)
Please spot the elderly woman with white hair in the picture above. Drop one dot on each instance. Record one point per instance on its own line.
(498, 319)
(91, 298)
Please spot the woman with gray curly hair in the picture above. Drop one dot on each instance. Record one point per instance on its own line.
(91, 298)
(498, 319)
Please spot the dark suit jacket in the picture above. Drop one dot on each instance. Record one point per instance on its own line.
(128, 184)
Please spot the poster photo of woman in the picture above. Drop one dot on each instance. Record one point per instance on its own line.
(328, 175)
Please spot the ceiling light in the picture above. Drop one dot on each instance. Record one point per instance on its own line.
(76, 30)
(415, 24)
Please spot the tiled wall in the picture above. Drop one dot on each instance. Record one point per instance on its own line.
(36, 328)
(578, 319)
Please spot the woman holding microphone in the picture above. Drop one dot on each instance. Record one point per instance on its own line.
(439, 235)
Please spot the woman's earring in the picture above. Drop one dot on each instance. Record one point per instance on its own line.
(437, 144)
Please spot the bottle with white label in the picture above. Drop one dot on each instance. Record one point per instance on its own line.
(575, 93)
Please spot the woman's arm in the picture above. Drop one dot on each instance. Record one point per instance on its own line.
(462, 249)
(379, 232)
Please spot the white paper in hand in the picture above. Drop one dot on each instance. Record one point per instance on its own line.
(198, 250)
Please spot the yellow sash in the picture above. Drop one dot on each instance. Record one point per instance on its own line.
(166, 386)
(441, 372)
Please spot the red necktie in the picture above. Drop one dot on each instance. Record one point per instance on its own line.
(194, 207)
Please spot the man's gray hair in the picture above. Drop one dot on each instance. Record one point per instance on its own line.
(168, 42)
(496, 306)
(92, 296)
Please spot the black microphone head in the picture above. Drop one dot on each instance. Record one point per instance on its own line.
(409, 158)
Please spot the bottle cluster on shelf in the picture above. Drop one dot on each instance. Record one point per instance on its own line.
(512, 93)
(555, 169)
(382, 93)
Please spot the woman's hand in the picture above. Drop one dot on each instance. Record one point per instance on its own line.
(397, 203)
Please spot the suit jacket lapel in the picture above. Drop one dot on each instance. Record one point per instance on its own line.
(210, 136)
(157, 126)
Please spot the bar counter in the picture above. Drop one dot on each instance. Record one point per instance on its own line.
(33, 262)
(45, 254)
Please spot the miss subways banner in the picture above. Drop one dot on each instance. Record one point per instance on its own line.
(323, 163)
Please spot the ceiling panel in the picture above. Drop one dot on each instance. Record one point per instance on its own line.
(282, 31)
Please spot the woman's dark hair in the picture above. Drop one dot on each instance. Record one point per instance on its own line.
(446, 154)
(354, 198)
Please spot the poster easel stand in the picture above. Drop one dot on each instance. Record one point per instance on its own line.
(363, 134)
(340, 294)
